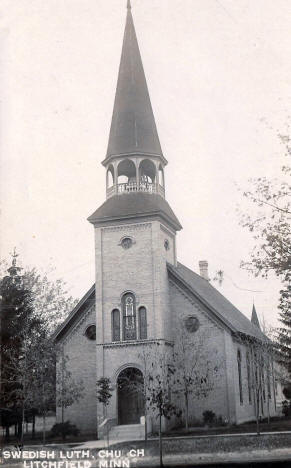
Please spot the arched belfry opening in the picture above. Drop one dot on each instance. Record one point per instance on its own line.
(110, 176)
(161, 176)
(126, 176)
(147, 175)
(130, 401)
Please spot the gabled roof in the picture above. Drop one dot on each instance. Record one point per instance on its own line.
(133, 128)
(134, 205)
(224, 310)
(197, 286)
(76, 313)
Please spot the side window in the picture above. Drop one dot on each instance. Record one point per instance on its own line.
(142, 323)
(249, 378)
(239, 377)
(115, 325)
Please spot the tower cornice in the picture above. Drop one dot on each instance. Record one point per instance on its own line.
(114, 157)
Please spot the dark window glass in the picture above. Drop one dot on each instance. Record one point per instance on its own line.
(129, 317)
(249, 377)
(91, 332)
(263, 383)
(239, 377)
(115, 325)
(142, 323)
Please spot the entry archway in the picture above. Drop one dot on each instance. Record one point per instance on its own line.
(130, 399)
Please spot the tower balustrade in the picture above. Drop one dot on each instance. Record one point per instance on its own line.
(130, 187)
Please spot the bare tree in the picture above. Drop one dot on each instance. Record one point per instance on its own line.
(161, 381)
(196, 366)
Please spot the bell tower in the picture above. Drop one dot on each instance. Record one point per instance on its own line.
(135, 234)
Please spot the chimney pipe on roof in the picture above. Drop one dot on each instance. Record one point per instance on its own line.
(203, 267)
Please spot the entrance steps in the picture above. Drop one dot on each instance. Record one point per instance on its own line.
(127, 432)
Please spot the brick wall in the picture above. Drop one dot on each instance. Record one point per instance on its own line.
(81, 354)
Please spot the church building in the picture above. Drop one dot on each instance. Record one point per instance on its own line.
(142, 293)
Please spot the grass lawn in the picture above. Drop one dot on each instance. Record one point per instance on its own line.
(276, 424)
(212, 445)
(279, 424)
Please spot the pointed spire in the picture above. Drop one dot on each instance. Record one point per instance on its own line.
(133, 127)
(254, 318)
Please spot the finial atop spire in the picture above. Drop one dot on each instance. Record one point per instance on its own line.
(14, 270)
(128, 5)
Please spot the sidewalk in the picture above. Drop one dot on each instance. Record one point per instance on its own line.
(201, 459)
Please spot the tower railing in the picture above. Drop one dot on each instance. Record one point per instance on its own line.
(130, 187)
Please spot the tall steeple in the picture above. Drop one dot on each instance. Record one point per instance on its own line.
(133, 128)
(254, 318)
(134, 163)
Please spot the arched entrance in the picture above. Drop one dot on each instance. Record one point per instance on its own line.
(130, 396)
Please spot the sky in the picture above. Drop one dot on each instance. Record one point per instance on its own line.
(218, 73)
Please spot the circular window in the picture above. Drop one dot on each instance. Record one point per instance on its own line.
(167, 244)
(191, 323)
(126, 242)
(91, 332)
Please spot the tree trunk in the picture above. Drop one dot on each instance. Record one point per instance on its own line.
(22, 423)
(160, 440)
(268, 405)
(186, 412)
(107, 428)
(258, 413)
(145, 423)
(33, 425)
(43, 427)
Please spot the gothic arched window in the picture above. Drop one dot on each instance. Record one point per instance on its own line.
(249, 377)
(239, 377)
(129, 316)
(142, 323)
(115, 325)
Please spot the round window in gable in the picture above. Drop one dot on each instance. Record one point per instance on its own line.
(191, 323)
(126, 243)
(167, 244)
(91, 332)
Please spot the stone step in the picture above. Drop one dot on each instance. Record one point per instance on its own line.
(127, 432)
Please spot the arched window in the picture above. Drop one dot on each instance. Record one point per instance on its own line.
(249, 377)
(129, 316)
(115, 325)
(239, 377)
(142, 323)
(263, 383)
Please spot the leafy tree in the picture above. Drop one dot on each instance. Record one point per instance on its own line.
(20, 328)
(104, 393)
(29, 307)
(196, 367)
(49, 299)
(43, 379)
(272, 235)
(69, 390)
